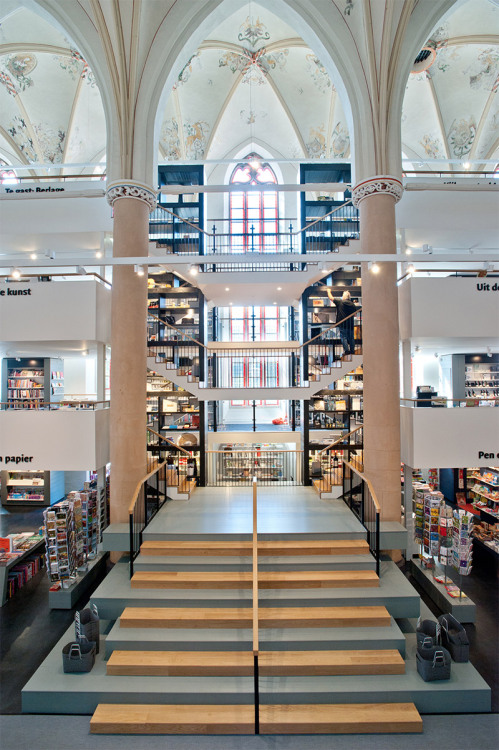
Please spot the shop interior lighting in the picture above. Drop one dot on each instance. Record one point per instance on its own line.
(466, 165)
(489, 352)
(139, 270)
(33, 256)
(408, 251)
(373, 267)
(15, 273)
(80, 270)
(410, 269)
(427, 249)
(84, 353)
(98, 254)
(227, 289)
(194, 270)
(50, 254)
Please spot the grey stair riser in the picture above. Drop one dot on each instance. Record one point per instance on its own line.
(396, 606)
(312, 562)
(271, 639)
(152, 536)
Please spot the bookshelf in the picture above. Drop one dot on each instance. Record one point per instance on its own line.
(29, 383)
(31, 487)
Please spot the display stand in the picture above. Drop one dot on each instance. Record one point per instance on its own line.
(4, 569)
(66, 598)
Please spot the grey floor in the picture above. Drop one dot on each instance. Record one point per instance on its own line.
(462, 732)
(229, 510)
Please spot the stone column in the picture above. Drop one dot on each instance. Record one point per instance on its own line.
(131, 203)
(376, 199)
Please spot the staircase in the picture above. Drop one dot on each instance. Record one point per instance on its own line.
(287, 565)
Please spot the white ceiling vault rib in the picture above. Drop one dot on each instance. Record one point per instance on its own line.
(481, 125)
(438, 112)
(71, 118)
(222, 111)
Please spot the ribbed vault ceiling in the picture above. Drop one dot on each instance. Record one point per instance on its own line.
(252, 81)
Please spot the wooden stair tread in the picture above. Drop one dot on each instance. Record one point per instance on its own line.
(241, 617)
(185, 663)
(171, 719)
(356, 718)
(244, 579)
(240, 663)
(315, 663)
(244, 548)
(186, 485)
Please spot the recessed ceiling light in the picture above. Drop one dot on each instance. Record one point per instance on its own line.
(98, 254)
(408, 251)
(15, 273)
(279, 288)
(227, 289)
(274, 303)
(230, 303)
(33, 256)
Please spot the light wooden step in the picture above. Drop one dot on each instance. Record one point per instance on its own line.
(185, 486)
(241, 617)
(356, 718)
(240, 663)
(279, 579)
(170, 719)
(316, 663)
(240, 549)
(181, 663)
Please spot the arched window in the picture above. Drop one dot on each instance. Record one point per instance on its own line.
(253, 215)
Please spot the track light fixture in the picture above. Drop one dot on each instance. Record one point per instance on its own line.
(427, 249)
(50, 254)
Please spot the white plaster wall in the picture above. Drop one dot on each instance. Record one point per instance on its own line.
(55, 311)
(62, 440)
(446, 438)
(449, 307)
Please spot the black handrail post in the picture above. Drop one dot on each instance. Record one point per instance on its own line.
(130, 521)
(257, 693)
(377, 542)
(363, 503)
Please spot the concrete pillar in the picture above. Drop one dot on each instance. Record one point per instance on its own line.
(131, 202)
(376, 199)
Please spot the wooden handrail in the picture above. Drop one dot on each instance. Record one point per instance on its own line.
(255, 569)
(170, 442)
(331, 328)
(341, 439)
(367, 481)
(184, 221)
(131, 507)
(229, 234)
(168, 343)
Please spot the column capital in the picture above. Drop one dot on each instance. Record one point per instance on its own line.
(379, 184)
(131, 189)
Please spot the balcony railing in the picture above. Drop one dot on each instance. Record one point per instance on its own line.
(326, 469)
(228, 468)
(454, 403)
(272, 365)
(35, 405)
(179, 235)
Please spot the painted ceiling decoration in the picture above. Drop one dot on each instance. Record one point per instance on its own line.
(51, 109)
(451, 107)
(253, 84)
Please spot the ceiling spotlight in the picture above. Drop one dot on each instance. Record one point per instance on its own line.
(194, 270)
(373, 267)
(139, 270)
(408, 251)
(466, 165)
(489, 352)
(417, 348)
(427, 249)
(255, 164)
(80, 270)
(279, 288)
(436, 355)
(410, 269)
(98, 254)
(230, 303)
(227, 289)
(15, 273)
(33, 256)
(50, 254)
(274, 303)
(84, 353)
